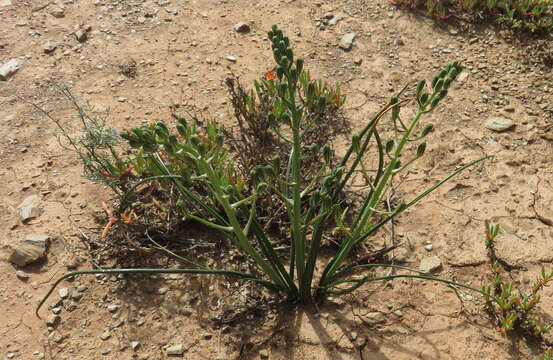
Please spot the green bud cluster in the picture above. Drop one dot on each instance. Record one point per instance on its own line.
(440, 85)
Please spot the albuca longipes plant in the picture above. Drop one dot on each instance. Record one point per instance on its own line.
(314, 206)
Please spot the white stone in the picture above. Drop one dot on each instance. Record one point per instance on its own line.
(499, 124)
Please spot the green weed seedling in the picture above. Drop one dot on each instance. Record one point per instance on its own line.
(514, 310)
(535, 16)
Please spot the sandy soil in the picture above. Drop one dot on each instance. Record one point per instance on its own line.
(180, 50)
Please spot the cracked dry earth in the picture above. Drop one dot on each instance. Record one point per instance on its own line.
(177, 52)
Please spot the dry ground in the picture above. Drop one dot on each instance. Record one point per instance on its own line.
(180, 50)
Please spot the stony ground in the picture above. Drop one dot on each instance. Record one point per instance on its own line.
(181, 52)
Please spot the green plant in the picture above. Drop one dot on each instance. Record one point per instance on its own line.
(210, 194)
(514, 309)
(535, 16)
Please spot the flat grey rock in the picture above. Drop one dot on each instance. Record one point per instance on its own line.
(499, 124)
(347, 41)
(40, 240)
(49, 46)
(29, 251)
(24, 254)
(175, 350)
(430, 264)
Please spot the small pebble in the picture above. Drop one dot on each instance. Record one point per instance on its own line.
(22, 275)
(105, 335)
(242, 27)
(135, 345)
(232, 58)
(112, 308)
(175, 350)
(428, 247)
(63, 292)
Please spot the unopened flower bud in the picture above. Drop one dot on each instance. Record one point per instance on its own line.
(420, 149)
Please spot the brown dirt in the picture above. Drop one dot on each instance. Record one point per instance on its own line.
(180, 50)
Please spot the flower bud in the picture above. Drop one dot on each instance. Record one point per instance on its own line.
(310, 91)
(424, 98)
(322, 103)
(420, 86)
(286, 41)
(427, 129)
(390, 145)
(439, 85)
(290, 55)
(420, 149)
(447, 82)
(434, 101)
(453, 73)
(299, 65)
(280, 72)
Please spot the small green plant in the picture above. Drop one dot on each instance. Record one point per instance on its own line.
(196, 166)
(535, 16)
(513, 309)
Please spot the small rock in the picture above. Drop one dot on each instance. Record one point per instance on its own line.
(499, 124)
(232, 58)
(29, 208)
(264, 354)
(113, 308)
(463, 76)
(453, 31)
(105, 335)
(81, 288)
(175, 350)
(22, 275)
(373, 318)
(358, 61)
(52, 320)
(9, 67)
(242, 27)
(347, 41)
(162, 291)
(430, 264)
(31, 250)
(121, 99)
(81, 35)
(40, 240)
(428, 247)
(63, 292)
(398, 313)
(49, 46)
(353, 335)
(6, 3)
(57, 12)
(57, 310)
(334, 20)
(135, 345)
(399, 42)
